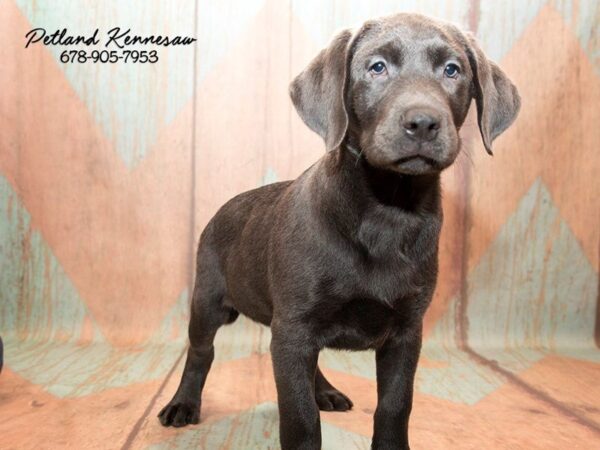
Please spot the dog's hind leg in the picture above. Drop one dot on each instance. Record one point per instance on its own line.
(329, 398)
(208, 313)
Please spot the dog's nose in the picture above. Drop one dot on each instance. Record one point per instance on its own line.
(421, 125)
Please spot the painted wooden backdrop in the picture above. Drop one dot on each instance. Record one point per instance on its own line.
(108, 173)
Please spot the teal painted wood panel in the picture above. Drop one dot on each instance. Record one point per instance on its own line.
(534, 287)
(37, 299)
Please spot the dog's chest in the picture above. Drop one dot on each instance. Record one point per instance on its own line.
(384, 288)
(358, 325)
(397, 264)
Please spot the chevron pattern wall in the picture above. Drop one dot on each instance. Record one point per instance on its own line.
(109, 172)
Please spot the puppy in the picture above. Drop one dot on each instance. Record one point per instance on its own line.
(345, 256)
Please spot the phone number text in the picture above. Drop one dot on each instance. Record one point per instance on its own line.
(111, 57)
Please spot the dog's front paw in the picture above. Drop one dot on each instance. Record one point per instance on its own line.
(179, 414)
(333, 400)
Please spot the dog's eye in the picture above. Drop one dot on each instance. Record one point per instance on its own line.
(451, 70)
(378, 68)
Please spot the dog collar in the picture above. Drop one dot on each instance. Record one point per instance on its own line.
(356, 152)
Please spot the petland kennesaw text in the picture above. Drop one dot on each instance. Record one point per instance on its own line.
(114, 37)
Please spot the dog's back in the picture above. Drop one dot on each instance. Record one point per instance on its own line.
(238, 234)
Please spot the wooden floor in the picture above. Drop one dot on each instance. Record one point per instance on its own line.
(463, 400)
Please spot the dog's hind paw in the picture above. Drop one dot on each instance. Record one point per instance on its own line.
(333, 400)
(179, 414)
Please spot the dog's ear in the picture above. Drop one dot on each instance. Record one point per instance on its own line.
(497, 99)
(318, 92)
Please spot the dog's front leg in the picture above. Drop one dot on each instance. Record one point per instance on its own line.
(294, 364)
(396, 366)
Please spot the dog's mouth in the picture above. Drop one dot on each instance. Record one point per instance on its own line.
(425, 159)
(417, 164)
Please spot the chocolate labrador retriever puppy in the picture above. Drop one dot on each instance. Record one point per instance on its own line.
(345, 256)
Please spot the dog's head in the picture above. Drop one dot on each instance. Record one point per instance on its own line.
(400, 89)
